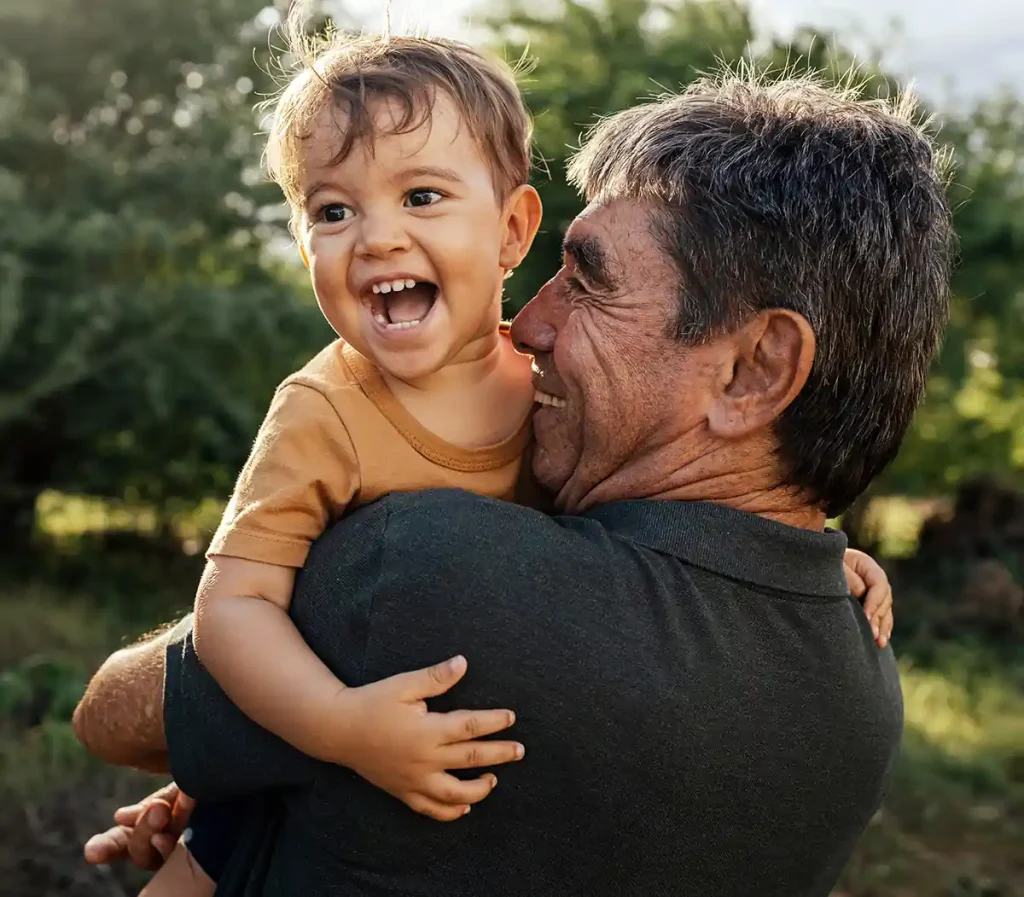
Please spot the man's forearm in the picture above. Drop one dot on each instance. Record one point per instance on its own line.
(120, 716)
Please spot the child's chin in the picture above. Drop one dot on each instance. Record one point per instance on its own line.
(414, 364)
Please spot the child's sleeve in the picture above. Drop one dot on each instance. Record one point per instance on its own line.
(301, 474)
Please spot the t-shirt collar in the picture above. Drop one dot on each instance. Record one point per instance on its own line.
(733, 543)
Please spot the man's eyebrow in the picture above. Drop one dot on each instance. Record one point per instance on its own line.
(591, 259)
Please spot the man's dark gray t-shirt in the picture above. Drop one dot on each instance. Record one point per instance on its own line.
(703, 706)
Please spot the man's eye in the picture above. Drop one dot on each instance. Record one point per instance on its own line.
(335, 212)
(418, 198)
(575, 285)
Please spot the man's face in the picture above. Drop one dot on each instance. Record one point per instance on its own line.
(614, 384)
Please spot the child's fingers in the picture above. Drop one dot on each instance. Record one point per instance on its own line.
(885, 622)
(181, 812)
(184, 804)
(107, 847)
(467, 725)
(140, 840)
(435, 809)
(878, 600)
(168, 794)
(878, 606)
(473, 754)
(855, 582)
(446, 789)
(429, 682)
(127, 815)
(164, 844)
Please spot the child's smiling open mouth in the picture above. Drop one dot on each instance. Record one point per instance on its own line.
(401, 303)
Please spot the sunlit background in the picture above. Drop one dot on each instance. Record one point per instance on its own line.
(953, 51)
(150, 300)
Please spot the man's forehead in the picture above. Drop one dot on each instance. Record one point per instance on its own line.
(618, 224)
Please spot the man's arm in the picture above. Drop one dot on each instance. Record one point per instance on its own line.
(120, 716)
(153, 706)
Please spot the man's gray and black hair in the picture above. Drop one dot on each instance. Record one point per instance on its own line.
(793, 195)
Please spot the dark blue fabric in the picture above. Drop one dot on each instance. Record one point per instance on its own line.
(214, 831)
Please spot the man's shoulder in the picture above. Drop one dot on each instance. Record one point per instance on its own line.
(461, 535)
(434, 525)
(425, 507)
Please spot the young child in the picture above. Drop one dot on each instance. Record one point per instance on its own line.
(405, 162)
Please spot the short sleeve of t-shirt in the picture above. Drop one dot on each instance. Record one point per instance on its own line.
(302, 473)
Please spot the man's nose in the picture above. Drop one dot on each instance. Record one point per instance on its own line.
(536, 327)
(380, 234)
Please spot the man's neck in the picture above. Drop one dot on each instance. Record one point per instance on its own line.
(743, 476)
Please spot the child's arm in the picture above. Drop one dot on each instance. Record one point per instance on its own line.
(383, 730)
(868, 582)
(302, 473)
(180, 876)
(244, 637)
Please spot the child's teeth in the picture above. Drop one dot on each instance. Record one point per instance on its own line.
(398, 285)
(376, 288)
(403, 325)
(380, 319)
(385, 288)
(410, 283)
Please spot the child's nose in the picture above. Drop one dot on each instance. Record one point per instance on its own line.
(381, 235)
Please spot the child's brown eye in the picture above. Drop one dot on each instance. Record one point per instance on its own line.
(420, 198)
(335, 212)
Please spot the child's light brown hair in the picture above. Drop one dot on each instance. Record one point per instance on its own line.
(352, 73)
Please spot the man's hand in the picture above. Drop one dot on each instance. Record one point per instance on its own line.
(868, 582)
(393, 741)
(145, 833)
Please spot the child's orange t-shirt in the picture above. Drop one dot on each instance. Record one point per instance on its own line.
(336, 437)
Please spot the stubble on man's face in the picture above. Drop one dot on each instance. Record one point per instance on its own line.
(614, 360)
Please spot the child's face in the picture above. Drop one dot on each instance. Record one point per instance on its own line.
(405, 241)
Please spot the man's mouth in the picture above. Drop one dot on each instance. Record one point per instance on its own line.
(545, 398)
(403, 303)
(540, 396)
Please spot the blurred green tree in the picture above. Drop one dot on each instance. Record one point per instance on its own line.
(972, 422)
(145, 316)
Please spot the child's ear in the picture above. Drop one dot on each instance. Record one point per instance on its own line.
(523, 212)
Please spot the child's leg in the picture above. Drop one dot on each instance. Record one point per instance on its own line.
(180, 876)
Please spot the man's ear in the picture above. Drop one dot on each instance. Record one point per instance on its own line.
(523, 211)
(772, 359)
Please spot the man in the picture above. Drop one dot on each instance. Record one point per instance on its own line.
(732, 350)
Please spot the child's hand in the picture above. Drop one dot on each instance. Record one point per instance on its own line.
(868, 582)
(144, 833)
(393, 741)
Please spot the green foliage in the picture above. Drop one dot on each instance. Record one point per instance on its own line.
(143, 323)
(972, 422)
